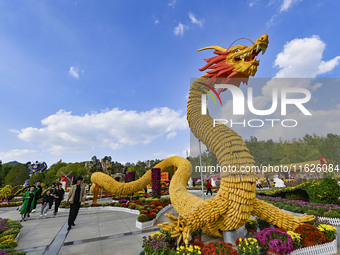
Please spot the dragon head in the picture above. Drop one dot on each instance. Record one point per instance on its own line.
(238, 61)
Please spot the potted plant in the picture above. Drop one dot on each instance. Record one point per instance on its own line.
(219, 248)
(310, 235)
(251, 226)
(275, 241)
(188, 250)
(328, 231)
(262, 224)
(155, 244)
(168, 238)
(196, 235)
(248, 246)
(296, 239)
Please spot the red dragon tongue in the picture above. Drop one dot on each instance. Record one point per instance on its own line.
(252, 57)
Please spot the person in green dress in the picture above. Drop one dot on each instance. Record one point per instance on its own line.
(28, 203)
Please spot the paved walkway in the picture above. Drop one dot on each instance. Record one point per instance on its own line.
(96, 232)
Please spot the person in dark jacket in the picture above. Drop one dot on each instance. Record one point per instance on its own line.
(38, 192)
(53, 190)
(28, 203)
(75, 197)
(58, 196)
(45, 203)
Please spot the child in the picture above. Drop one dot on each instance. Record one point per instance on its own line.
(45, 203)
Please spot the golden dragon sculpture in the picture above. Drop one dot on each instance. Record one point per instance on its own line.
(236, 199)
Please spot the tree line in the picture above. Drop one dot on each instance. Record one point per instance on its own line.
(266, 152)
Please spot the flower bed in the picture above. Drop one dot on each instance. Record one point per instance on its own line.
(9, 230)
(324, 249)
(325, 191)
(299, 206)
(5, 203)
(268, 241)
(147, 208)
(148, 224)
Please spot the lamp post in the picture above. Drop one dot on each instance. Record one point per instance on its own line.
(199, 143)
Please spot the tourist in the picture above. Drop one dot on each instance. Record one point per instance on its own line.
(209, 186)
(37, 194)
(268, 181)
(258, 184)
(28, 203)
(59, 196)
(53, 190)
(75, 196)
(45, 203)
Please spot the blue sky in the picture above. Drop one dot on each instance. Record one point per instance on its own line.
(84, 78)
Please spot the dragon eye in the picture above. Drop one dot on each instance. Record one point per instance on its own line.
(237, 50)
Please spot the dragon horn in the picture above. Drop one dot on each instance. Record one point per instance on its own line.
(215, 47)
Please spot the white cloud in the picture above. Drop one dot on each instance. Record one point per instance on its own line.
(74, 71)
(321, 122)
(171, 135)
(161, 155)
(155, 20)
(316, 86)
(63, 132)
(286, 4)
(251, 4)
(179, 29)
(326, 66)
(16, 154)
(172, 3)
(303, 58)
(194, 20)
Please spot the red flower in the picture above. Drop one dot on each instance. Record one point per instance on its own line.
(198, 243)
(238, 240)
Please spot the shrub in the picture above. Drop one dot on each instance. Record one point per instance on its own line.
(251, 224)
(139, 207)
(332, 214)
(151, 215)
(287, 207)
(275, 239)
(248, 246)
(11, 231)
(218, 248)
(313, 212)
(327, 230)
(296, 239)
(263, 224)
(310, 233)
(143, 218)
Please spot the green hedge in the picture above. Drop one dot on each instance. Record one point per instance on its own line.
(326, 191)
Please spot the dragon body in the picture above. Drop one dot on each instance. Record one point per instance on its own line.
(236, 199)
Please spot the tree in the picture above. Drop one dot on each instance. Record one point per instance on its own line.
(330, 148)
(74, 170)
(51, 173)
(4, 171)
(17, 175)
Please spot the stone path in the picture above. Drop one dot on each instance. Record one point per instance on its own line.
(96, 232)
